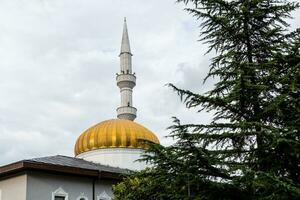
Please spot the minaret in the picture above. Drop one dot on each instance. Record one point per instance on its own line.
(126, 79)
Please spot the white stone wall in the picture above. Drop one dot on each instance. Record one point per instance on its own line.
(116, 157)
(126, 97)
(125, 63)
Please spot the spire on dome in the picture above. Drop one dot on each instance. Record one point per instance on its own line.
(125, 46)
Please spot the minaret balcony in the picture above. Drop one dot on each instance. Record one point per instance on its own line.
(126, 80)
(126, 112)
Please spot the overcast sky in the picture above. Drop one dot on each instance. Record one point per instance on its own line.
(58, 60)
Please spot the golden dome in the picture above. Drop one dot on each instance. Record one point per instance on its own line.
(114, 133)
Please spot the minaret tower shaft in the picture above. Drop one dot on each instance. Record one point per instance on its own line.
(126, 79)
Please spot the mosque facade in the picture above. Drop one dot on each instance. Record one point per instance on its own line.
(104, 153)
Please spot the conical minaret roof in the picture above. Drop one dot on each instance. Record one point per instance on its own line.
(125, 46)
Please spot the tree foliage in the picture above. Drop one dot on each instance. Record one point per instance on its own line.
(251, 149)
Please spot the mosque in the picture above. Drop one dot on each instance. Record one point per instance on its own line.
(103, 154)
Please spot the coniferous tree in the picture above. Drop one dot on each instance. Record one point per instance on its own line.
(251, 149)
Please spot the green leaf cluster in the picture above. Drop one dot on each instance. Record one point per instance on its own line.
(251, 149)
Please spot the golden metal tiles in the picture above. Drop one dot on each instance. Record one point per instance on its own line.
(114, 133)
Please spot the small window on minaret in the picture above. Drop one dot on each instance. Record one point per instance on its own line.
(128, 104)
(127, 71)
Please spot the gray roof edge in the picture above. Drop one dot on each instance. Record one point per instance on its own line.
(64, 162)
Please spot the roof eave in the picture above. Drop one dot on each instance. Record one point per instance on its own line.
(24, 165)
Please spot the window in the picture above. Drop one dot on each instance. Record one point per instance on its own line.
(103, 196)
(59, 198)
(59, 194)
(82, 197)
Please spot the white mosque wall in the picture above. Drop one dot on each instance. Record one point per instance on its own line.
(116, 157)
(42, 186)
(13, 188)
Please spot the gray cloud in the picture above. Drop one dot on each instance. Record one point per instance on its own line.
(58, 61)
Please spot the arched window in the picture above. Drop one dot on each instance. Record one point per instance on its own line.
(82, 197)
